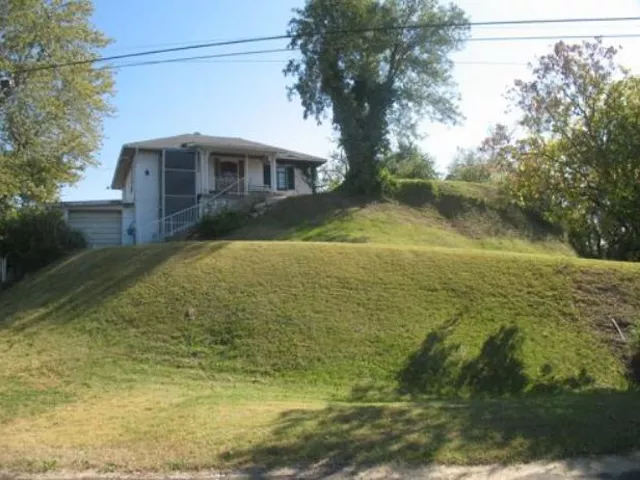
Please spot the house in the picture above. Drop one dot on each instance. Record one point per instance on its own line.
(168, 184)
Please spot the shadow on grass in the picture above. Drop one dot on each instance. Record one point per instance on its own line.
(504, 415)
(86, 280)
(436, 368)
(462, 431)
(299, 216)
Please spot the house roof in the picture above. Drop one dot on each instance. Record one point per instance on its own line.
(217, 144)
(92, 204)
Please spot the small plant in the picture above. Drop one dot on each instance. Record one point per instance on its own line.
(216, 226)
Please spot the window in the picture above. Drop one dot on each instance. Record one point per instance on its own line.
(180, 159)
(266, 175)
(285, 177)
(179, 177)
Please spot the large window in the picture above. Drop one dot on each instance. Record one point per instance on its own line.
(285, 177)
(179, 180)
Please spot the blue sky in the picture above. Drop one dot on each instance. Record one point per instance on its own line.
(247, 97)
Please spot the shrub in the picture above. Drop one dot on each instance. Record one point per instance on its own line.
(216, 226)
(38, 237)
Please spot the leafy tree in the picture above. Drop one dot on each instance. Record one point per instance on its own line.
(331, 175)
(488, 163)
(409, 162)
(469, 166)
(376, 76)
(580, 163)
(50, 118)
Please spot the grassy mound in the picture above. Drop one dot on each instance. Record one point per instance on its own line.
(193, 355)
(422, 320)
(434, 213)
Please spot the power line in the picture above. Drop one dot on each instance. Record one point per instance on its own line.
(553, 37)
(337, 32)
(282, 50)
(197, 57)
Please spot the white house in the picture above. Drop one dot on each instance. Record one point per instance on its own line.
(168, 183)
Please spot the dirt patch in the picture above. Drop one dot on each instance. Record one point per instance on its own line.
(607, 302)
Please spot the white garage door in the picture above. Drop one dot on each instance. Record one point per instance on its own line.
(101, 229)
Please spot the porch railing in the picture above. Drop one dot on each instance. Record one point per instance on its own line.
(180, 221)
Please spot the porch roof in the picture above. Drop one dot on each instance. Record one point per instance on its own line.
(219, 144)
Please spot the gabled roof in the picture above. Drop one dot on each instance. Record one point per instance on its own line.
(233, 145)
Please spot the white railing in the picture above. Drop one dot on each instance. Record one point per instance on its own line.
(178, 222)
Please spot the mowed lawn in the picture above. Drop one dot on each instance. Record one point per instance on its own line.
(430, 213)
(244, 354)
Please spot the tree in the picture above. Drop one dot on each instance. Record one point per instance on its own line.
(376, 76)
(50, 118)
(469, 166)
(579, 163)
(332, 174)
(409, 162)
(487, 163)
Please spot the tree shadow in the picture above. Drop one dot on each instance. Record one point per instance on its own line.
(298, 216)
(355, 437)
(498, 369)
(85, 281)
(432, 368)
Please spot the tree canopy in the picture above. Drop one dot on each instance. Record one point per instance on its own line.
(50, 118)
(487, 163)
(408, 161)
(579, 162)
(362, 63)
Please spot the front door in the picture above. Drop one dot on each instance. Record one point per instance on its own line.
(229, 173)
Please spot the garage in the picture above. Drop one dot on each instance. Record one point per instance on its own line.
(102, 228)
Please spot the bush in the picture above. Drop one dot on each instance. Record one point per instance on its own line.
(216, 226)
(38, 237)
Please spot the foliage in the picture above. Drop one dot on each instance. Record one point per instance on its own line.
(409, 162)
(488, 163)
(469, 166)
(50, 118)
(215, 226)
(579, 163)
(38, 237)
(375, 76)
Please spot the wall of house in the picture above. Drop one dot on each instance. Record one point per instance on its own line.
(128, 192)
(128, 221)
(256, 172)
(146, 171)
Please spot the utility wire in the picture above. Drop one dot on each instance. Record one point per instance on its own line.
(282, 50)
(337, 32)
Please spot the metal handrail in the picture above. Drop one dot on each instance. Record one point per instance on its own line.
(185, 218)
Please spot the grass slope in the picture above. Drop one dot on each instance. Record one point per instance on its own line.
(435, 213)
(231, 354)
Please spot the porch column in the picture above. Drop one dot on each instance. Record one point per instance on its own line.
(274, 180)
(204, 172)
(246, 173)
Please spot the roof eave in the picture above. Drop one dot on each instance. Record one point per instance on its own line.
(122, 167)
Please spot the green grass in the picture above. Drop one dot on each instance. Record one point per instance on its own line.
(234, 354)
(435, 213)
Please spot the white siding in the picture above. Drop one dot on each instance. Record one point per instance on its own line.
(128, 192)
(128, 219)
(256, 172)
(146, 170)
(101, 228)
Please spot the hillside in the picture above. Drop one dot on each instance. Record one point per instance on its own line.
(192, 355)
(430, 213)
